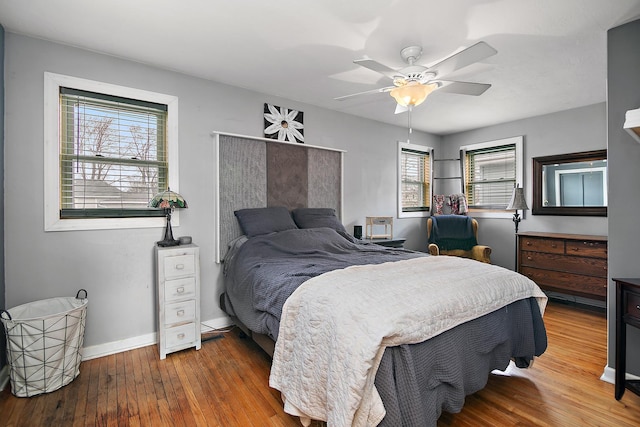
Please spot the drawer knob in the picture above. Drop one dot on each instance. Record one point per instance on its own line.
(529, 258)
(180, 313)
(179, 266)
(180, 290)
(638, 307)
(181, 336)
(574, 249)
(528, 243)
(553, 245)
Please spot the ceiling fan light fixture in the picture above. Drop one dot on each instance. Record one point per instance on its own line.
(412, 94)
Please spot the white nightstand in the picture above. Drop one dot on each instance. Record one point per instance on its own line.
(178, 284)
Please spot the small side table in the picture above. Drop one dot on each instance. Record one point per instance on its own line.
(627, 313)
(389, 243)
(178, 287)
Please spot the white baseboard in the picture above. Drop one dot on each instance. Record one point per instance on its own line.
(132, 343)
(114, 347)
(609, 375)
(213, 324)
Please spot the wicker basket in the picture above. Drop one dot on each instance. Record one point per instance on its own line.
(44, 343)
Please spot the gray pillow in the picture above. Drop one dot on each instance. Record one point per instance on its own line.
(258, 221)
(317, 217)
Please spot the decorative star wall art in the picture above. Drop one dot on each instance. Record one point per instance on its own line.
(283, 124)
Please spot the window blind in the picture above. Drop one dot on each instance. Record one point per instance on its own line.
(490, 176)
(113, 155)
(416, 177)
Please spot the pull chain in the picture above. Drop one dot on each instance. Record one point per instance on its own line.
(410, 129)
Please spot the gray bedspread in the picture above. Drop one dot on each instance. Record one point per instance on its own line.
(263, 271)
(416, 382)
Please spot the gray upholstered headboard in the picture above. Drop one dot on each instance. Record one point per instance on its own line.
(256, 172)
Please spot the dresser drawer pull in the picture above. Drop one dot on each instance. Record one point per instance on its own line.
(180, 313)
(179, 266)
(181, 336)
(574, 249)
(528, 243)
(180, 290)
(553, 245)
(638, 307)
(529, 258)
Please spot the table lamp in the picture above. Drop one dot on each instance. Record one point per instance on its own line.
(168, 200)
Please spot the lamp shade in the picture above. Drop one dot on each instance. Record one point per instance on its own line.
(168, 200)
(517, 201)
(412, 93)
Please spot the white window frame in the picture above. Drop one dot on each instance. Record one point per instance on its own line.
(429, 152)
(518, 142)
(52, 220)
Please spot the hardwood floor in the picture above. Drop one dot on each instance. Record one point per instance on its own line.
(226, 384)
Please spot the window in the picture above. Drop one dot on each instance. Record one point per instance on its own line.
(492, 169)
(414, 180)
(112, 148)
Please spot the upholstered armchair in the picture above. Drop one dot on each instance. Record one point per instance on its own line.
(456, 235)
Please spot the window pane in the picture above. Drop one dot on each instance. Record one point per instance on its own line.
(490, 176)
(415, 175)
(113, 151)
(99, 185)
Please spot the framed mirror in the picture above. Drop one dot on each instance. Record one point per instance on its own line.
(570, 184)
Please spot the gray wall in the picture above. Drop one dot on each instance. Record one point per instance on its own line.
(624, 173)
(3, 344)
(580, 129)
(115, 266)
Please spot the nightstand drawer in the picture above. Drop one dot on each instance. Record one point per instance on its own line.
(179, 266)
(632, 310)
(179, 289)
(180, 312)
(180, 335)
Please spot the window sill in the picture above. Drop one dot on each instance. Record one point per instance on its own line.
(490, 213)
(57, 224)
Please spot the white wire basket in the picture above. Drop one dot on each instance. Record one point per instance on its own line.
(44, 343)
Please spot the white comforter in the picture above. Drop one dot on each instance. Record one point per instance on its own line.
(335, 327)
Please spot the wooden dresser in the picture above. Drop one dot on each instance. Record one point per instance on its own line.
(574, 264)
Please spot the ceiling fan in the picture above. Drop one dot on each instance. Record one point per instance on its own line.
(412, 84)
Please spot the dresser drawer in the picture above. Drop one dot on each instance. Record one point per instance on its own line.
(180, 335)
(179, 266)
(564, 263)
(184, 311)
(179, 289)
(586, 286)
(540, 244)
(587, 248)
(632, 309)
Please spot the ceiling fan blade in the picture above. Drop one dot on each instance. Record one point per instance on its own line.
(463, 88)
(377, 67)
(468, 56)
(368, 92)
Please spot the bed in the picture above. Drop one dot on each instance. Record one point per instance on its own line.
(366, 335)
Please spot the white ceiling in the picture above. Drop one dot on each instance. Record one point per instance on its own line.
(551, 53)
